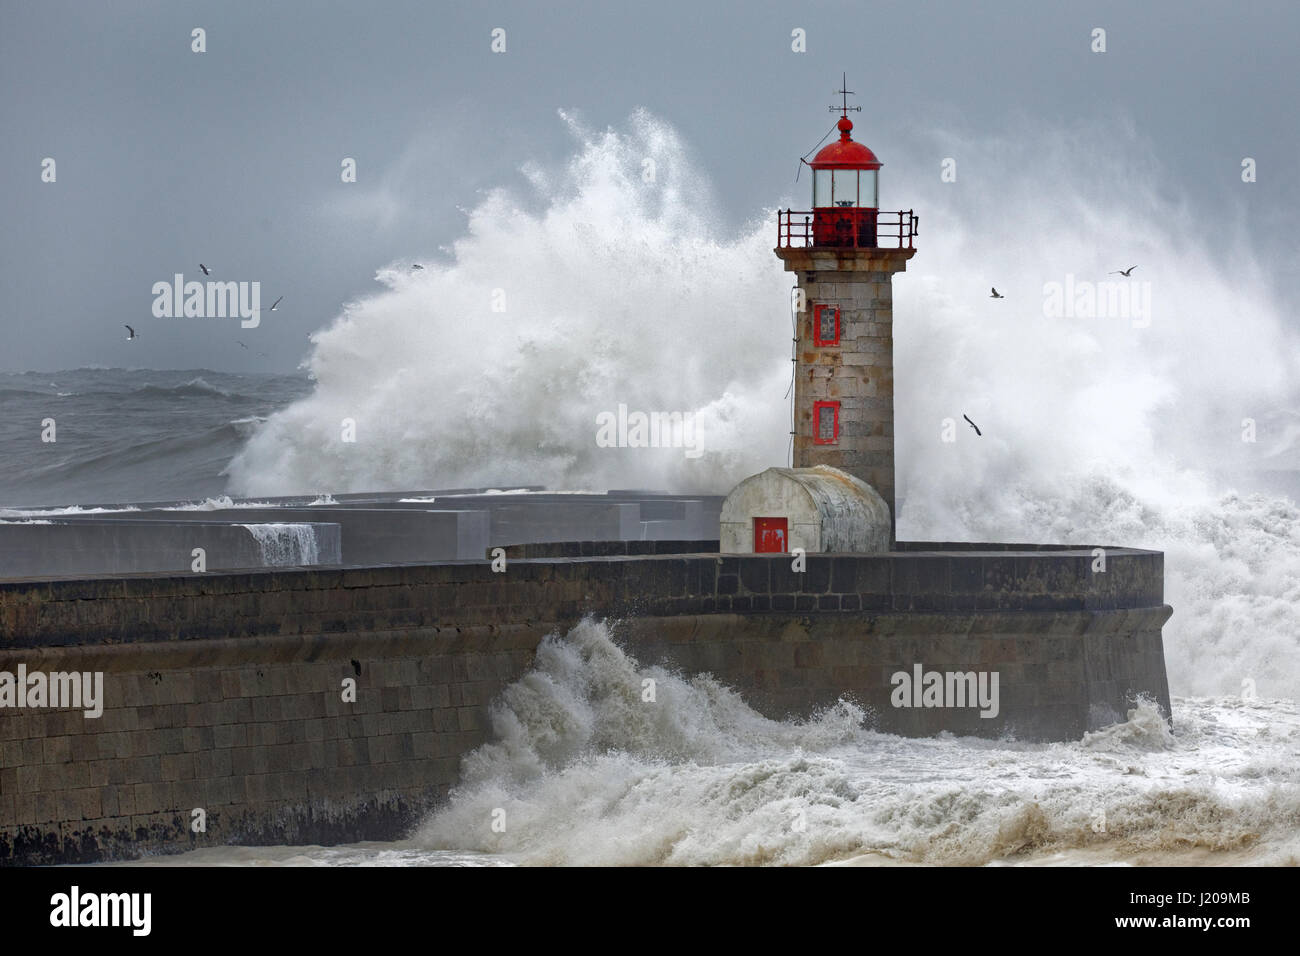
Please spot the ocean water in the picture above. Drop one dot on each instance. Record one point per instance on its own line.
(124, 435)
(588, 287)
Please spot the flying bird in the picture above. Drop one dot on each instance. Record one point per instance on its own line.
(275, 303)
(417, 266)
(206, 270)
(241, 344)
(1123, 272)
(972, 424)
(997, 295)
(131, 332)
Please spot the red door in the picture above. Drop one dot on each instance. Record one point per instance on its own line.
(771, 535)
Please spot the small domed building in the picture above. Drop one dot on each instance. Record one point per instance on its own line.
(819, 509)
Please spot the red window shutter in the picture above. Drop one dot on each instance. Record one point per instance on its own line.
(826, 325)
(826, 423)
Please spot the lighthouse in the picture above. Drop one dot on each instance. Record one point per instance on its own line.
(844, 253)
(839, 493)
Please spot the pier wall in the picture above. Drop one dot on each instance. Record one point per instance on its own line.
(132, 544)
(399, 528)
(225, 693)
(368, 535)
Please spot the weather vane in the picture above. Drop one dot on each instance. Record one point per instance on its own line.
(845, 93)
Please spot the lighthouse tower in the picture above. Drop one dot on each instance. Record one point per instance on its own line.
(839, 494)
(844, 254)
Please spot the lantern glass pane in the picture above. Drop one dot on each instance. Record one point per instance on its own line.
(845, 187)
(821, 187)
(868, 186)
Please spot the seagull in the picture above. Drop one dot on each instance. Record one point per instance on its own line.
(131, 331)
(275, 303)
(972, 424)
(996, 294)
(241, 344)
(1123, 272)
(417, 266)
(206, 270)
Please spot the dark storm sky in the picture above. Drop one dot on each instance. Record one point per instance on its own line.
(166, 157)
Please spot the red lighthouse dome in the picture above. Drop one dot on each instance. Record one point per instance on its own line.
(845, 153)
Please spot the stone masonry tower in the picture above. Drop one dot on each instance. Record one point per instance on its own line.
(844, 254)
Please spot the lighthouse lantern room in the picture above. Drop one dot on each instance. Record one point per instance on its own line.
(845, 191)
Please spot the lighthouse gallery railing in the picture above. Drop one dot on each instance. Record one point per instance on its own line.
(894, 230)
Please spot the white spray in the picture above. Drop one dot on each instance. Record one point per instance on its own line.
(285, 544)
